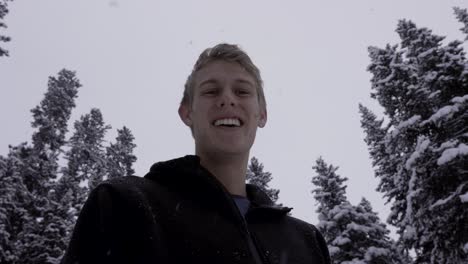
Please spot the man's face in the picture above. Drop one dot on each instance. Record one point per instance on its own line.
(225, 110)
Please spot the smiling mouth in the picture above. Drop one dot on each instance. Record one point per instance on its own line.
(228, 122)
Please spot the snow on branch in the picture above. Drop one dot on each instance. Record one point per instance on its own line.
(405, 124)
(450, 197)
(421, 146)
(447, 111)
(464, 198)
(452, 153)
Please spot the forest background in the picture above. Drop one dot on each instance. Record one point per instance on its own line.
(318, 113)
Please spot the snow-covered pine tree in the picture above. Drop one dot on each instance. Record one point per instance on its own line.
(260, 178)
(120, 156)
(375, 134)
(334, 211)
(6, 186)
(422, 156)
(37, 212)
(86, 166)
(29, 243)
(370, 235)
(86, 156)
(44, 239)
(50, 119)
(70, 197)
(38, 167)
(53, 112)
(462, 16)
(354, 234)
(14, 198)
(3, 13)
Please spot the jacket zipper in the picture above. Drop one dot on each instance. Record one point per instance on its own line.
(254, 250)
(259, 256)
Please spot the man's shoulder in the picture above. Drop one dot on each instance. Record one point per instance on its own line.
(124, 183)
(126, 188)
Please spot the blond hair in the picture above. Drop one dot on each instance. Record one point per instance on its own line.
(229, 53)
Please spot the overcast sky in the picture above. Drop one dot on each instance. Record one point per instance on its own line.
(133, 58)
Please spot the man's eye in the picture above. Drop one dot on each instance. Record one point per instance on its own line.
(210, 92)
(243, 92)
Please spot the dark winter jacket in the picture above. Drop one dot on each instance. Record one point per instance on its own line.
(180, 213)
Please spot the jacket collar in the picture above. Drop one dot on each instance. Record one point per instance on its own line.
(188, 170)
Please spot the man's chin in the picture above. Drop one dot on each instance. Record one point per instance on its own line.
(227, 150)
(231, 150)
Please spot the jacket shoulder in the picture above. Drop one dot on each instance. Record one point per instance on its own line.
(129, 193)
(114, 218)
(125, 182)
(127, 185)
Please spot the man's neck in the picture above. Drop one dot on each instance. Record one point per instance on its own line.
(230, 170)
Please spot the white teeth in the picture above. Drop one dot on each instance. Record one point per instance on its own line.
(227, 121)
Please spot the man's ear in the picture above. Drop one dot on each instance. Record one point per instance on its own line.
(185, 114)
(262, 117)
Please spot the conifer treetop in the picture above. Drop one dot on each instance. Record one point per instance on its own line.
(51, 116)
(3, 12)
(331, 190)
(256, 176)
(462, 16)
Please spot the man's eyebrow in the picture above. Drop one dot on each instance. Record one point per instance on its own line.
(244, 81)
(208, 81)
(214, 81)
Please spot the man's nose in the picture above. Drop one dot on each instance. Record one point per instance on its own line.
(226, 99)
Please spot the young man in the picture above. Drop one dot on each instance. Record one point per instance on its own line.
(198, 209)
